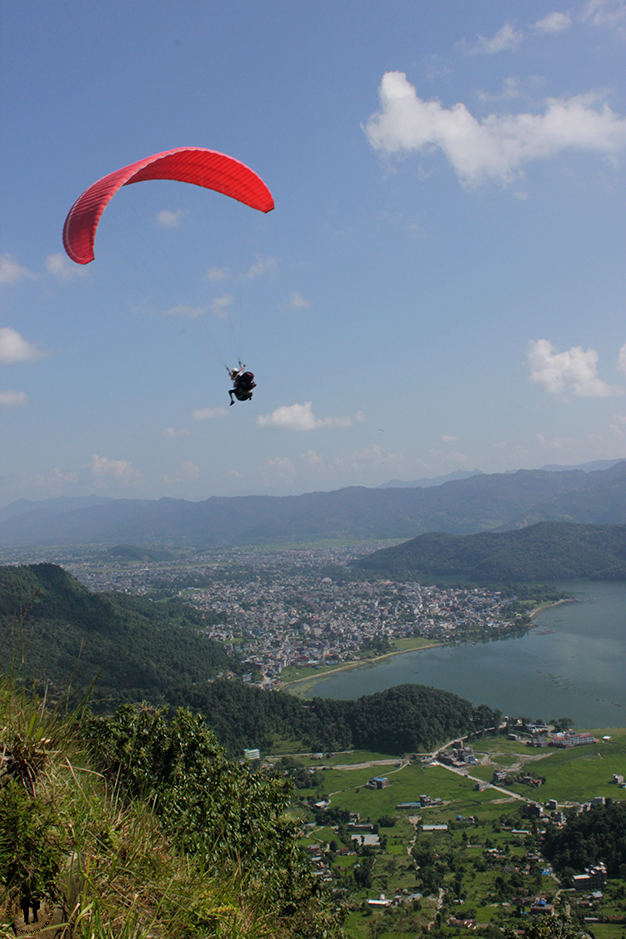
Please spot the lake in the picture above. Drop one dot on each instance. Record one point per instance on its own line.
(572, 663)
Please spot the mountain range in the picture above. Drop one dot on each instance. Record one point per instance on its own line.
(485, 502)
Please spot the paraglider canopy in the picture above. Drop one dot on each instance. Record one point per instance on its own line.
(206, 168)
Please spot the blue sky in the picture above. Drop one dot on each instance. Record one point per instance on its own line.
(441, 285)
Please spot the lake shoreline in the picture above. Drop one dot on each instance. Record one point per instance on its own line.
(569, 660)
(310, 681)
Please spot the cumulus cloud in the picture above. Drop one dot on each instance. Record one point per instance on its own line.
(301, 417)
(121, 471)
(554, 23)
(296, 302)
(11, 272)
(60, 266)
(172, 432)
(217, 274)
(262, 266)
(13, 399)
(189, 471)
(557, 443)
(506, 38)
(207, 414)
(186, 310)
(14, 348)
(220, 305)
(368, 457)
(497, 146)
(280, 466)
(574, 370)
(170, 218)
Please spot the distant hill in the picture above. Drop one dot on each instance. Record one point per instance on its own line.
(480, 503)
(60, 504)
(546, 551)
(426, 481)
(586, 467)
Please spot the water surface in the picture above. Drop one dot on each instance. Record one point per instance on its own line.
(571, 664)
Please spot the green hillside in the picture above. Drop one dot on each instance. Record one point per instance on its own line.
(546, 551)
(140, 649)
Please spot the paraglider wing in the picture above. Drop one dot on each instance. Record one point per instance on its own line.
(195, 165)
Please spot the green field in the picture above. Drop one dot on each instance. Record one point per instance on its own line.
(479, 859)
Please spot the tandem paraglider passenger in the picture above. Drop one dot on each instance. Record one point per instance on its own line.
(243, 383)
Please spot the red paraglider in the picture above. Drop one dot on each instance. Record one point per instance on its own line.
(205, 168)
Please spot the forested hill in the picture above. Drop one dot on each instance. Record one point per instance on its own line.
(144, 649)
(404, 719)
(480, 503)
(546, 551)
(153, 652)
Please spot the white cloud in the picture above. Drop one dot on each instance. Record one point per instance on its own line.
(217, 274)
(367, 457)
(454, 457)
(604, 12)
(13, 399)
(11, 272)
(448, 439)
(189, 471)
(60, 266)
(185, 309)
(281, 466)
(554, 23)
(170, 218)
(121, 471)
(14, 348)
(506, 38)
(300, 417)
(207, 414)
(621, 359)
(296, 302)
(172, 432)
(560, 372)
(557, 443)
(497, 146)
(220, 305)
(262, 266)
(313, 459)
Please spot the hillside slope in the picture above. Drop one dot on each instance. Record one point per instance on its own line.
(545, 551)
(143, 648)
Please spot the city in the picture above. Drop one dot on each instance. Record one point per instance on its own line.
(297, 608)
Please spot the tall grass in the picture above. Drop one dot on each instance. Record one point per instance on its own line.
(100, 864)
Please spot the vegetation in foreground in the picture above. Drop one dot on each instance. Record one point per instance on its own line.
(139, 827)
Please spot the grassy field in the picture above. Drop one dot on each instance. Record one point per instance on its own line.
(478, 853)
(573, 775)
